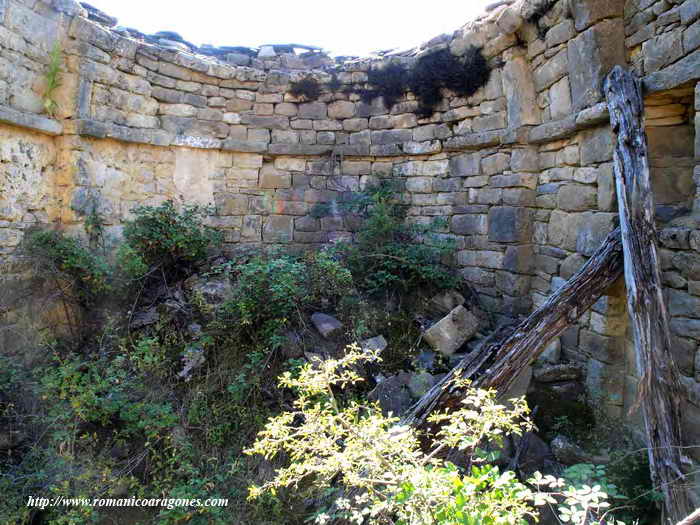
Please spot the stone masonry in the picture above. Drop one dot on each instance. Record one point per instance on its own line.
(521, 171)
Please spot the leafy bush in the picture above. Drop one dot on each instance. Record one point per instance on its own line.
(66, 257)
(162, 236)
(328, 281)
(271, 292)
(267, 293)
(97, 405)
(389, 253)
(94, 390)
(629, 470)
(384, 473)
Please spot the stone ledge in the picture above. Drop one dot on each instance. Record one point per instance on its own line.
(101, 130)
(244, 146)
(560, 129)
(685, 70)
(555, 130)
(593, 116)
(300, 149)
(474, 140)
(547, 132)
(33, 121)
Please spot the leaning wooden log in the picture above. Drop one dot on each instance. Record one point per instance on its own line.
(503, 355)
(497, 364)
(659, 387)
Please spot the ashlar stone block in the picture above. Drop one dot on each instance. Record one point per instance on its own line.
(591, 56)
(509, 224)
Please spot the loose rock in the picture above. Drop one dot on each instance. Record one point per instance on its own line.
(374, 344)
(448, 334)
(144, 318)
(214, 291)
(535, 454)
(421, 383)
(327, 325)
(569, 453)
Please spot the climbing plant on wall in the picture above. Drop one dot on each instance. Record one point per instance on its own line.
(428, 77)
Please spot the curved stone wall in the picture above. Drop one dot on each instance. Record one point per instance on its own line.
(521, 170)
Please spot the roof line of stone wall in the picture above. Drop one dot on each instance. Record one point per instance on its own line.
(100, 58)
(505, 17)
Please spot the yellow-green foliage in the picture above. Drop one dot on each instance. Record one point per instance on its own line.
(386, 476)
(53, 81)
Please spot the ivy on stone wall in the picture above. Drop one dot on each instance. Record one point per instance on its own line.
(428, 77)
(308, 89)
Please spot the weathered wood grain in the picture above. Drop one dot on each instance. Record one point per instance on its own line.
(659, 387)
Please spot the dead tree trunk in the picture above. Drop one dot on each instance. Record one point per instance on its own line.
(496, 364)
(659, 387)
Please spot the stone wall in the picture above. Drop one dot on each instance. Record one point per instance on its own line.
(521, 171)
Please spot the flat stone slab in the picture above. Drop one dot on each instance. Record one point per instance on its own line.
(327, 325)
(451, 332)
(30, 120)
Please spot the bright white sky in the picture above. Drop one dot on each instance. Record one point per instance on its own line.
(350, 27)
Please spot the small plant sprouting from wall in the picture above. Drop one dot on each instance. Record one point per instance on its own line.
(53, 81)
(308, 89)
(428, 77)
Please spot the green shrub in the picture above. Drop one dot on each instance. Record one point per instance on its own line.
(161, 236)
(328, 281)
(66, 257)
(99, 403)
(388, 253)
(20, 475)
(629, 470)
(267, 294)
(94, 389)
(130, 263)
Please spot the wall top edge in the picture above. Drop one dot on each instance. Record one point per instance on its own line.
(501, 18)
